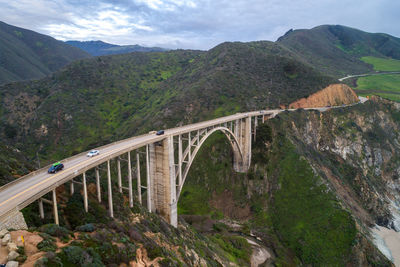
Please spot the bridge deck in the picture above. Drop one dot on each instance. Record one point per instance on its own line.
(29, 188)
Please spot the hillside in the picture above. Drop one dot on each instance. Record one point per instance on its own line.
(336, 49)
(317, 186)
(99, 48)
(26, 55)
(103, 99)
(333, 95)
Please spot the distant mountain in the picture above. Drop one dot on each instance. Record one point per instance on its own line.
(25, 54)
(336, 49)
(99, 48)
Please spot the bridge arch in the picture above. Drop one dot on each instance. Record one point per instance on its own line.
(233, 140)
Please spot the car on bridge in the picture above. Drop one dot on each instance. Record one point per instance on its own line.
(93, 153)
(160, 132)
(58, 166)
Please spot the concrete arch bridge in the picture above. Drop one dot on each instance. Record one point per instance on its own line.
(167, 159)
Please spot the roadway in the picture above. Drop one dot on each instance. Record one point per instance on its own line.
(25, 190)
(368, 74)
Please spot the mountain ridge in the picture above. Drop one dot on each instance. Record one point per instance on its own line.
(100, 48)
(26, 54)
(336, 50)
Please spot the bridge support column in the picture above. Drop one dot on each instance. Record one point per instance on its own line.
(110, 202)
(148, 180)
(119, 175)
(130, 180)
(139, 182)
(55, 210)
(85, 196)
(243, 134)
(41, 210)
(72, 189)
(163, 180)
(98, 185)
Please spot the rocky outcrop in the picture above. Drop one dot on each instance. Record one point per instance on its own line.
(333, 95)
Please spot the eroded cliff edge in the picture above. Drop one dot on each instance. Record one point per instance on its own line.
(333, 95)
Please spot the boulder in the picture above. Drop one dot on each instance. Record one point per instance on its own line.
(3, 233)
(12, 246)
(12, 255)
(6, 239)
(12, 264)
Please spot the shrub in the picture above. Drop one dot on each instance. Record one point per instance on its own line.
(86, 228)
(56, 230)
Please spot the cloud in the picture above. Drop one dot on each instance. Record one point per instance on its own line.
(199, 24)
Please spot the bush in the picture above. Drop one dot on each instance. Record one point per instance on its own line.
(86, 228)
(56, 230)
(81, 257)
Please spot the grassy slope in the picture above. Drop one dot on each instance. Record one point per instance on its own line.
(29, 55)
(387, 86)
(382, 64)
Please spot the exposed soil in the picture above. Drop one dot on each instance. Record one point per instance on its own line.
(333, 95)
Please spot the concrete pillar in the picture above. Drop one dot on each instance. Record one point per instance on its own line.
(242, 164)
(148, 191)
(72, 189)
(119, 175)
(55, 210)
(236, 129)
(139, 182)
(162, 172)
(262, 120)
(180, 159)
(110, 202)
(255, 127)
(41, 210)
(190, 147)
(130, 180)
(98, 185)
(198, 137)
(85, 197)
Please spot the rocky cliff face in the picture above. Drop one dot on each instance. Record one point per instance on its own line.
(356, 150)
(333, 95)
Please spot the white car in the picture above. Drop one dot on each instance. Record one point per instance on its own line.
(93, 153)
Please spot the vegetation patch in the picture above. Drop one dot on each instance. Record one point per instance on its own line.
(387, 86)
(382, 64)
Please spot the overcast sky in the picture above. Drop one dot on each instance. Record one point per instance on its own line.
(197, 24)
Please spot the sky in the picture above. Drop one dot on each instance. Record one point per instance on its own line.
(193, 24)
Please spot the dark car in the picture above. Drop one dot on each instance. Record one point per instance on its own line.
(56, 167)
(160, 132)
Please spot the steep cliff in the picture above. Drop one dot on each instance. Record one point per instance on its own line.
(333, 95)
(356, 151)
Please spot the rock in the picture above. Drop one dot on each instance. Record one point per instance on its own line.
(12, 246)
(6, 239)
(3, 233)
(12, 264)
(12, 255)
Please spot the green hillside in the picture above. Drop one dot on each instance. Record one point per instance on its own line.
(336, 49)
(383, 64)
(25, 54)
(99, 100)
(384, 85)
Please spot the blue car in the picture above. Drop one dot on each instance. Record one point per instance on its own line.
(58, 166)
